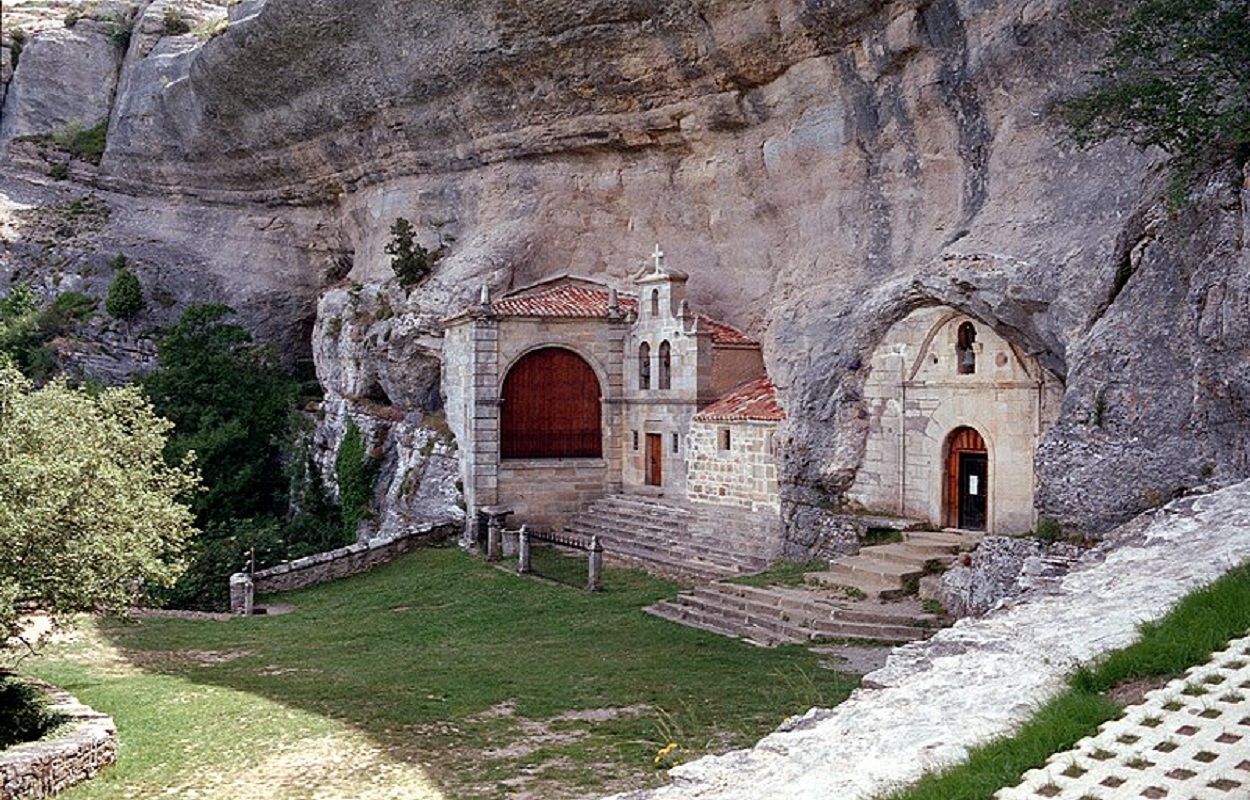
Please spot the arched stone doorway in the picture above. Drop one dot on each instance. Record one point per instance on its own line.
(967, 485)
(551, 407)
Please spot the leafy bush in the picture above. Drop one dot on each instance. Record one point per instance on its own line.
(235, 406)
(120, 27)
(125, 297)
(1176, 76)
(356, 471)
(223, 549)
(80, 142)
(24, 712)
(17, 42)
(230, 402)
(26, 331)
(90, 513)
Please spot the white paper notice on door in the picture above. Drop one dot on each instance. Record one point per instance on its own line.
(973, 485)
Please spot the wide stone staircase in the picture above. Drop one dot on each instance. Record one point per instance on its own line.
(869, 596)
(681, 539)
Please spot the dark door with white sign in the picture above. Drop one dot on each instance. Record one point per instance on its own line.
(966, 493)
(973, 468)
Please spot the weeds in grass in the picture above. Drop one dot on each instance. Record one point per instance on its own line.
(784, 573)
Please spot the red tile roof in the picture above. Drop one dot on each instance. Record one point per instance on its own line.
(723, 334)
(560, 301)
(756, 400)
(584, 302)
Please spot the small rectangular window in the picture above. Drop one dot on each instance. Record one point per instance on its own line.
(676, 443)
(635, 440)
(724, 440)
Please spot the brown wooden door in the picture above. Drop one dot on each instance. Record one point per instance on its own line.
(655, 459)
(551, 407)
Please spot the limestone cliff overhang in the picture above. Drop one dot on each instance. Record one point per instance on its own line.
(754, 401)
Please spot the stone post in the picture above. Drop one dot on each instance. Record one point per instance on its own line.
(494, 538)
(242, 594)
(523, 551)
(594, 581)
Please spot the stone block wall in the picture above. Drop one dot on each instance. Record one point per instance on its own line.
(545, 493)
(744, 475)
(478, 355)
(46, 768)
(332, 564)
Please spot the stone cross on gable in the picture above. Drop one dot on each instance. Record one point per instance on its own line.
(658, 255)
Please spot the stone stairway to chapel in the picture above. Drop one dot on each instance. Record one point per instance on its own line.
(866, 597)
(693, 541)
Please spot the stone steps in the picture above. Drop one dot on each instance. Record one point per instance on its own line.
(685, 540)
(891, 571)
(860, 597)
(778, 615)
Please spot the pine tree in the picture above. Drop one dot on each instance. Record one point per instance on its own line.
(125, 297)
(412, 262)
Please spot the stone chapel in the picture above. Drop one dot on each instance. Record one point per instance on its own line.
(569, 389)
(955, 416)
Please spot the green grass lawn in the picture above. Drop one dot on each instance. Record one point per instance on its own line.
(491, 684)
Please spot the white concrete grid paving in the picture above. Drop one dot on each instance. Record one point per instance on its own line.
(1189, 739)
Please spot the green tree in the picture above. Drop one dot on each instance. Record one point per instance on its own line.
(125, 297)
(91, 514)
(230, 402)
(1176, 76)
(236, 408)
(412, 262)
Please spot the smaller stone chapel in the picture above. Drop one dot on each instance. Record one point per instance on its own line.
(570, 389)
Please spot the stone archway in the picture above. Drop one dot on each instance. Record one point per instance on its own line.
(966, 500)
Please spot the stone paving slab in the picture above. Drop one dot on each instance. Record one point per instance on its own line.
(1189, 739)
(982, 678)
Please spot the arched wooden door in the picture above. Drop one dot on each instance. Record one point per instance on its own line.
(551, 407)
(966, 486)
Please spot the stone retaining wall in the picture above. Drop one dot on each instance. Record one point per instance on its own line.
(46, 768)
(331, 565)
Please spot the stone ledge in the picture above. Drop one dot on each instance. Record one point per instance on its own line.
(46, 768)
(331, 565)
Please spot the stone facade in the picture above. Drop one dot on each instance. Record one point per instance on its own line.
(938, 373)
(47, 768)
(656, 364)
(733, 452)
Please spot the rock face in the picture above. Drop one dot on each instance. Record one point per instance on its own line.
(60, 96)
(820, 169)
